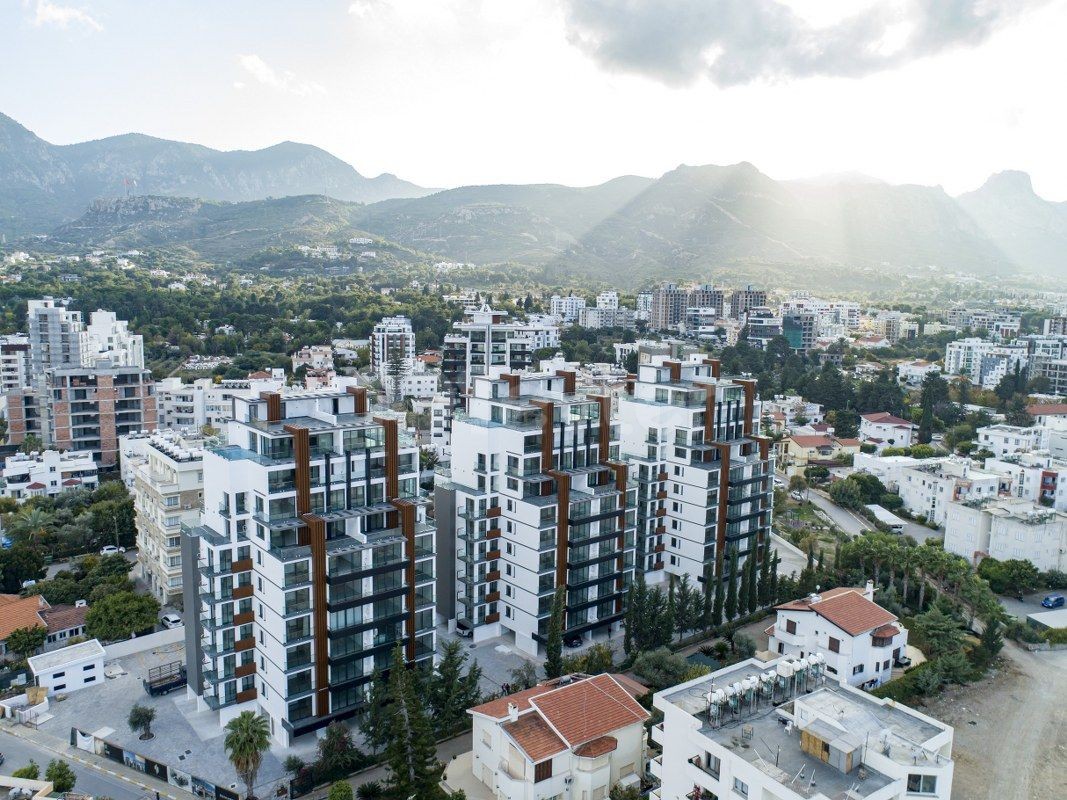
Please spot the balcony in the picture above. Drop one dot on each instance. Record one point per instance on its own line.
(245, 696)
(240, 592)
(245, 669)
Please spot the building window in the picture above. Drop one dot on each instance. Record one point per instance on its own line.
(835, 645)
(856, 670)
(740, 787)
(790, 626)
(543, 771)
(922, 784)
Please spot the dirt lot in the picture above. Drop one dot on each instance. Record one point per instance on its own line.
(1009, 742)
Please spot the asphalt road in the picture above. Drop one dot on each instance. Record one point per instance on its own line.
(18, 752)
(850, 523)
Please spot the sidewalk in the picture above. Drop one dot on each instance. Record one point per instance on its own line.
(63, 749)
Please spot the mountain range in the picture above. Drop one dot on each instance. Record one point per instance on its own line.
(629, 231)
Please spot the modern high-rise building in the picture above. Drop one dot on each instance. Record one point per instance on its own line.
(14, 362)
(486, 343)
(762, 325)
(669, 302)
(801, 329)
(536, 499)
(108, 337)
(704, 477)
(165, 472)
(744, 299)
(313, 561)
(89, 408)
(56, 334)
(392, 342)
(566, 308)
(707, 296)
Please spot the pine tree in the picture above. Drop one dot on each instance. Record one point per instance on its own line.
(411, 752)
(554, 643)
(811, 554)
(636, 611)
(683, 607)
(742, 592)
(731, 589)
(450, 692)
(671, 616)
(822, 555)
(374, 723)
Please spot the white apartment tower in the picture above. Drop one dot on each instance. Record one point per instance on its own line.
(704, 477)
(537, 499)
(312, 562)
(108, 337)
(392, 341)
(56, 334)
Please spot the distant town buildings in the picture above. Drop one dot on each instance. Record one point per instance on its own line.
(1007, 529)
(47, 473)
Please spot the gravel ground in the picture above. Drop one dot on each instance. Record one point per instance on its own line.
(1009, 742)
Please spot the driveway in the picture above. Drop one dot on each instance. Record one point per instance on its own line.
(851, 523)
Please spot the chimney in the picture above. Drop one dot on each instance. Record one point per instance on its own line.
(869, 590)
(513, 712)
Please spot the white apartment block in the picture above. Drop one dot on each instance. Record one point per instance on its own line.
(313, 357)
(108, 337)
(1008, 529)
(392, 342)
(928, 489)
(441, 426)
(56, 334)
(890, 469)
(608, 300)
(782, 730)
(312, 562)
(1037, 476)
(1003, 440)
(14, 362)
(703, 475)
(486, 344)
(883, 430)
(859, 639)
(643, 305)
(47, 474)
(205, 402)
(575, 737)
(913, 373)
(165, 474)
(984, 362)
(566, 308)
(793, 406)
(598, 318)
(536, 499)
(420, 383)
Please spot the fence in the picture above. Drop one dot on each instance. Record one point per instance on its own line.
(161, 772)
(139, 644)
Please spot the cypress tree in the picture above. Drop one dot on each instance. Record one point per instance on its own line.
(752, 598)
(742, 592)
(636, 615)
(554, 645)
(772, 591)
(763, 590)
(717, 604)
(731, 588)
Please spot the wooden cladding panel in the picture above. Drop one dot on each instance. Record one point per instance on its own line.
(360, 393)
(392, 456)
(274, 405)
(750, 402)
(605, 427)
(563, 494)
(569, 380)
(302, 467)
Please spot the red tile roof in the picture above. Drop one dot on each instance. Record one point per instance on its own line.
(597, 747)
(635, 688)
(63, 618)
(813, 441)
(885, 632)
(1047, 408)
(804, 604)
(20, 612)
(534, 736)
(589, 709)
(885, 418)
(498, 708)
(36, 485)
(853, 613)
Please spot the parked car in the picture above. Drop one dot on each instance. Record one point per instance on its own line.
(111, 550)
(574, 640)
(1054, 601)
(902, 661)
(169, 621)
(798, 496)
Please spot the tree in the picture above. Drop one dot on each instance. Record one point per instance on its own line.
(140, 719)
(32, 443)
(340, 790)
(730, 607)
(372, 724)
(752, 596)
(636, 600)
(119, 615)
(742, 592)
(60, 775)
(24, 642)
(941, 634)
(763, 585)
(660, 668)
(19, 564)
(798, 484)
(620, 792)
(411, 753)
(846, 423)
(685, 602)
(337, 753)
(846, 493)
(523, 676)
(247, 739)
(449, 691)
(991, 641)
(554, 640)
(718, 603)
(30, 772)
(598, 659)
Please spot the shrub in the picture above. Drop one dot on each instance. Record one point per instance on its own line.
(1056, 635)
(31, 771)
(60, 775)
(341, 790)
(371, 790)
(1019, 631)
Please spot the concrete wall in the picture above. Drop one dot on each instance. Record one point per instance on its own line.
(142, 643)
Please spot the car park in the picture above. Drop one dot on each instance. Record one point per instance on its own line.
(1054, 601)
(169, 621)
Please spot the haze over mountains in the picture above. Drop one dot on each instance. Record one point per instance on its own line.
(630, 230)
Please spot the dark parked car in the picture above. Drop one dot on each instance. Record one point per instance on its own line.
(574, 640)
(1054, 601)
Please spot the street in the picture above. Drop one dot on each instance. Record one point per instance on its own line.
(853, 524)
(18, 752)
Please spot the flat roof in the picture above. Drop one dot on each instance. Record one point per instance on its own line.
(1056, 618)
(46, 662)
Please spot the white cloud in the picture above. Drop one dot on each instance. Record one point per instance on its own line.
(286, 81)
(46, 13)
(364, 8)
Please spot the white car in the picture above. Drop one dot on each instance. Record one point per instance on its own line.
(111, 550)
(169, 621)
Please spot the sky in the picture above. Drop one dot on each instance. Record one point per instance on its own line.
(452, 92)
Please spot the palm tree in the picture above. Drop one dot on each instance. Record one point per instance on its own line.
(33, 522)
(247, 739)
